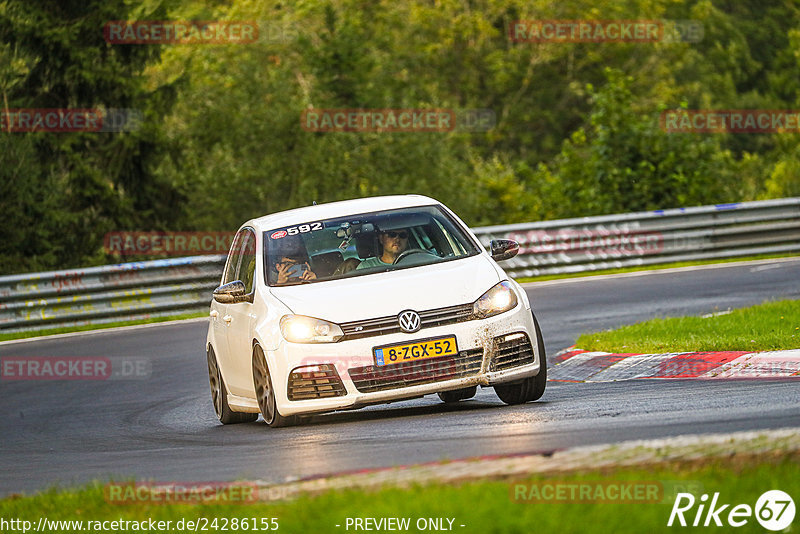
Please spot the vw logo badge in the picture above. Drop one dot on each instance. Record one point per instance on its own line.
(409, 321)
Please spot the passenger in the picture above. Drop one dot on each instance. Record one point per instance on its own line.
(393, 243)
(293, 269)
(289, 262)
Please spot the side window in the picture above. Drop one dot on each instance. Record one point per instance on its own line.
(241, 264)
(422, 235)
(247, 267)
(454, 246)
(234, 258)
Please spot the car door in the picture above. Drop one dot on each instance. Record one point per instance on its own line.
(240, 319)
(220, 317)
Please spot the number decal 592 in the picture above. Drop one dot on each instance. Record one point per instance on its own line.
(303, 228)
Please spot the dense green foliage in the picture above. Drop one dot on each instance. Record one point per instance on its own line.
(60, 192)
(577, 123)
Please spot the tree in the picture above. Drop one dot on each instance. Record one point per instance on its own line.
(622, 161)
(80, 185)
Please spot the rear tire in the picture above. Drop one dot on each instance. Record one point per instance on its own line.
(531, 388)
(265, 393)
(219, 395)
(456, 395)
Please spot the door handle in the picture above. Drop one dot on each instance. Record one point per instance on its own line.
(227, 319)
(214, 314)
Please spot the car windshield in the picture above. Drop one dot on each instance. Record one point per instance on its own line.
(363, 244)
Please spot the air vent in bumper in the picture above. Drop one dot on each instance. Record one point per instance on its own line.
(317, 382)
(511, 350)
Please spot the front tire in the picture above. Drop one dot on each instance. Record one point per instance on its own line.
(265, 393)
(531, 388)
(219, 395)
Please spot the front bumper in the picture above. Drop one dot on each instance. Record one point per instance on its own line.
(483, 360)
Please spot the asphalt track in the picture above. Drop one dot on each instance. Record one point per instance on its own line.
(163, 428)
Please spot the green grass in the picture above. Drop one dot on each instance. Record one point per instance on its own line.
(68, 329)
(768, 326)
(483, 507)
(650, 267)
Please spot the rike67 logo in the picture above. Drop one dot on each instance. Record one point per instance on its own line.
(774, 510)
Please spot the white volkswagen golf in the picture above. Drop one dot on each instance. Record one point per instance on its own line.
(341, 305)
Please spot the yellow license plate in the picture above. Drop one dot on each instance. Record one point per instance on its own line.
(417, 350)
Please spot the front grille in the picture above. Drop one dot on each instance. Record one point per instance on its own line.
(389, 325)
(511, 350)
(373, 378)
(319, 382)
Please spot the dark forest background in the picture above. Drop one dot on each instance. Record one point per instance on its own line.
(220, 141)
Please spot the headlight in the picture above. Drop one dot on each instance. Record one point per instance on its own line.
(499, 299)
(302, 329)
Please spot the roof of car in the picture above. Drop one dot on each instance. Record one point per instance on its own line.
(337, 209)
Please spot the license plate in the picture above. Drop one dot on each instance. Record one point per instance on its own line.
(416, 350)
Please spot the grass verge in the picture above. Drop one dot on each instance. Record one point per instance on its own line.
(83, 328)
(658, 267)
(481, 507)
(768, 326)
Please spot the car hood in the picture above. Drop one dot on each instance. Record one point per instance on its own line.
(383, 294)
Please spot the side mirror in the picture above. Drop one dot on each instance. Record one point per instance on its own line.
(231, 293)
(503, 249)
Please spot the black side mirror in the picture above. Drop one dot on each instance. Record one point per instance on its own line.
(231, 293)
(503, 249)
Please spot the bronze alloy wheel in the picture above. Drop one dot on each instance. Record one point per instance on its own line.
(215, 381)
(219, 395)
(265, 395)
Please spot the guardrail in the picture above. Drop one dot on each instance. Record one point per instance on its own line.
(652, 237)
(140, 290)
(97, 295)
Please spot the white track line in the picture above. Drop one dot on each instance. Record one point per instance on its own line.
(658, 271)
(105, 330)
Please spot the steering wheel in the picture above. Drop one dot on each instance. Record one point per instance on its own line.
(409, 252)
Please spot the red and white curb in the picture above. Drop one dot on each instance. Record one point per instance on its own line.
(576, 365)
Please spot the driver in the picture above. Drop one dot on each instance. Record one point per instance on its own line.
(393, 243)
